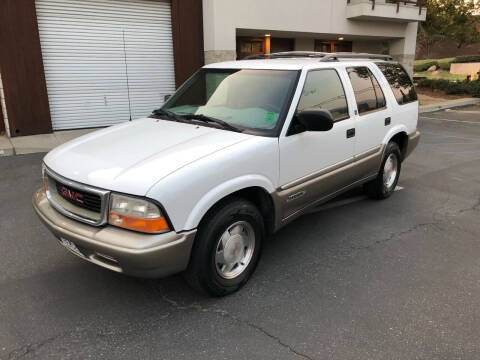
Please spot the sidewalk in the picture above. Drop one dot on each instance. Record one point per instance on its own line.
(38, 143)
(44, 143)
(430, 104)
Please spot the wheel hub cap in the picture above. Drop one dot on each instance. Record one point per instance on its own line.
(234, 250)
(390, 170)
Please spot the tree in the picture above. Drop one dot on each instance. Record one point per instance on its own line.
(449, 19)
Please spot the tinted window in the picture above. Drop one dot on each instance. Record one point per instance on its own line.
(323, 89)
(400, 83)
(378, 92)
(368, 93)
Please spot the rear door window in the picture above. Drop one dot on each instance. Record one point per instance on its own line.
(400, 83)
(368, 93)
(323, 89)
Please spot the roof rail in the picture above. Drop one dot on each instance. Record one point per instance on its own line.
(321, 55)
(287, 54)
(338, 56)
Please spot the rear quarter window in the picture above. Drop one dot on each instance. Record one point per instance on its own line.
(400, 83)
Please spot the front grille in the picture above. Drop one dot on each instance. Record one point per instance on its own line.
(78, 201)
(83, 199)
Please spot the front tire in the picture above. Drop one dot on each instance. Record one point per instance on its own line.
(385, 183)
(227, 248)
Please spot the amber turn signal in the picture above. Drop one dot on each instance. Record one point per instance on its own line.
(156, 225)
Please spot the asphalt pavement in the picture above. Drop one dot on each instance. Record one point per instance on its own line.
(355, 279)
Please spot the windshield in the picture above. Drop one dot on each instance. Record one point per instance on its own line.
(251, 100)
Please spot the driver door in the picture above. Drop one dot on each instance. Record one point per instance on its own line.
(313, 163)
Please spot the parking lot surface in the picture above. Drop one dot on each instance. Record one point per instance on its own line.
(355, 279)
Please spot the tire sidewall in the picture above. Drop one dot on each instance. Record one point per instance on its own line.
(209, 234)
(244, 276)
(392, 148)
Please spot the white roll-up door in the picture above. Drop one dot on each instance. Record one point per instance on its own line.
(106, 61)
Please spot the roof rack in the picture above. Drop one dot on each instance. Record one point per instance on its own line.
(321, 55)
(338, 56)
(288, 54)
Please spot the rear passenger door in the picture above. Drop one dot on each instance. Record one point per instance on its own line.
(372, 115)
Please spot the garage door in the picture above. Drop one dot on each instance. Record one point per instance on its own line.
(106, 61)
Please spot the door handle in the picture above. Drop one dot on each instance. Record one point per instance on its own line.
(350, 133)
(388, 121)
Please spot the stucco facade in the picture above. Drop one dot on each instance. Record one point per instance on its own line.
(368, 29)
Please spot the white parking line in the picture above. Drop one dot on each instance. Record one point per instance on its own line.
(344, 202)
(450, 120)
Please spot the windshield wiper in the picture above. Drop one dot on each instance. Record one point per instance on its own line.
(170, 115)
(208, 119)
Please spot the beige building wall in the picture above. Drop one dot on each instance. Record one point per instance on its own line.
(303, 20)
(465, 68)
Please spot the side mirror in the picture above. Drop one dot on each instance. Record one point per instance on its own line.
(166, 97)
(315, 119)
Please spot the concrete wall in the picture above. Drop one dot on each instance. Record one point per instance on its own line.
(403, 50)
(363, 10)
(304, 44)
(369, 46)
(304, 20)
(465, 68)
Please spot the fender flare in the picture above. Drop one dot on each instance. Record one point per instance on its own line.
(223, 190)
(394, 131)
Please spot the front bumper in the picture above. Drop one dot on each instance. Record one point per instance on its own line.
(413, 140)
(124, 251)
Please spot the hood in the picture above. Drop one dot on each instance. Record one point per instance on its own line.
(132, 157)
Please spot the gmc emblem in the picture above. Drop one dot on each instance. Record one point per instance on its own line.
(72, 195)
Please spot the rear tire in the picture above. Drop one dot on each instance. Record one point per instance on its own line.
(227, 248)
(384, 184)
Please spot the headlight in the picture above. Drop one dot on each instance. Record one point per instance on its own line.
(136, 214)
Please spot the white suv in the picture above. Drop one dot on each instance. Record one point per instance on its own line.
(240, 150)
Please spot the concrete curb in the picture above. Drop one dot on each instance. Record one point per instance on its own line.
(6, 147)
(448, 104)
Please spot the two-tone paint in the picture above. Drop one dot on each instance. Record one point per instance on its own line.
(189, 168)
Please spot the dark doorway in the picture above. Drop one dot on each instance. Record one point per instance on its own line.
(330, 46)
(281, 44)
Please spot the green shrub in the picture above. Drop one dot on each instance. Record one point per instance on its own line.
(473, 88)
(423, 65)
(467, 59)
(451, 87)
(440, 84)
(457, 88)
(444, 64)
